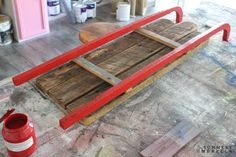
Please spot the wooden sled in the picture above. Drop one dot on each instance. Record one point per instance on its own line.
(94, 82)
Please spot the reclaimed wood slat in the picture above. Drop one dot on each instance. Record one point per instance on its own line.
(76, 87)
(154, 57)
(107, 54)
(57, 76)
(89, 96)
(69, 90)
(83, 99)
(65, 72)
(100, 56)
(173, 141)
(158, 38)
(72, 70)
(101, 73)
(107, 108)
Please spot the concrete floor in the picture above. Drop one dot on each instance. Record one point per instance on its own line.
(201, 90)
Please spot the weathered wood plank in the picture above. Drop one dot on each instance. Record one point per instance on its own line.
(154, 57)
(132, 70)
(132, 56)
(70, 70)
(173, 141)
(107, 108)
(158, 38)
(57, 76)
(101, 73)
(65, 72)
(74, 88)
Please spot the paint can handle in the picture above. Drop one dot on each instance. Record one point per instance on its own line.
(7, 114)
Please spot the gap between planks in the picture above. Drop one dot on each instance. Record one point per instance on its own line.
(108, 77)
(173, 32)
(116, 66)
(121, 99)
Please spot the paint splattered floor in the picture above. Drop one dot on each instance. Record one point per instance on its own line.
(201, 90)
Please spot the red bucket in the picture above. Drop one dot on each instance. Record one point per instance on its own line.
(19, 136)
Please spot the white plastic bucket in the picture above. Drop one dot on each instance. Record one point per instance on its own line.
(123, 11)
(80, 13)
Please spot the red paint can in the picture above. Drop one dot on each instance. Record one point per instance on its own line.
(19, 136)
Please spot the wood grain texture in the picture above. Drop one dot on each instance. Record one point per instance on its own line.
(71, 86)
(65, 72)
(95, 30)
(57, 76)
(173, 141)
(158, 38)
(118, 101)
(66, 91)
(76, 87)
(99, 72)
(126, 42)
(132, 57)
(134, 125)
(91, 95)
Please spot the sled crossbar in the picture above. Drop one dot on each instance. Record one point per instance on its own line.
(157, 37)
(78, 51)
(99, 72)
(141, 75)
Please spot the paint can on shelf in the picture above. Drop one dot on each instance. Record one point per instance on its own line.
(54, 8)
(5, 30)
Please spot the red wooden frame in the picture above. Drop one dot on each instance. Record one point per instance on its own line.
(139, 76)
(78, 51)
